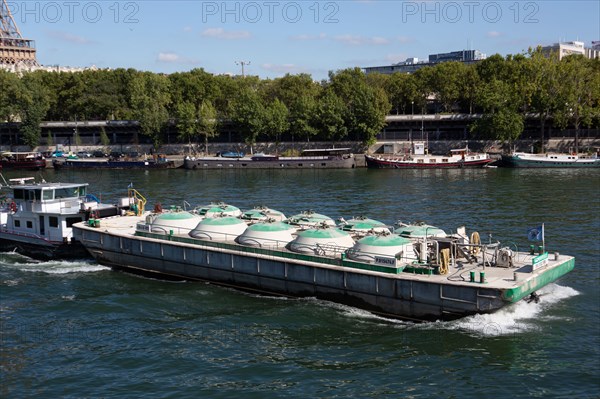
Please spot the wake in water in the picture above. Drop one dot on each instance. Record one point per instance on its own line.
(16, 261)
(517, 318)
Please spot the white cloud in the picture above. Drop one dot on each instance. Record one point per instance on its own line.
(354, 40)
(169, 57)
(305, 37)
(494, 33)
(68, 37)
(405, 39)
(220, 33)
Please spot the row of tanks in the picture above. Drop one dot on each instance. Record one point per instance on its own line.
(361, 239)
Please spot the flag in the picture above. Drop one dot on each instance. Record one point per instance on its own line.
(536, 233)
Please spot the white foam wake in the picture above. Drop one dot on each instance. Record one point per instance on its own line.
(26, 264)
(516, 318)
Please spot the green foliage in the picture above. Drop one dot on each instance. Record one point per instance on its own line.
(149, 98)
(49, 139)
(33, 104)
(366, 106)
(104, 137)
(565, 93)
(329, 117)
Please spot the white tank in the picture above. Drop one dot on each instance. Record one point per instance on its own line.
(381, 249)
(419, 231)
(262, 213)
(363, 224)
(218, 209)
(326, 241)
(180, 222)
(308, 219)
(225, 228)
(267, 235)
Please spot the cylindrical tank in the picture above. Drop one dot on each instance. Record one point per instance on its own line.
(372, 247)
(225, 228)
(180, 222)
(267, 235)
(325, 241)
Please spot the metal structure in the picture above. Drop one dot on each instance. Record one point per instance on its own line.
(14, 50)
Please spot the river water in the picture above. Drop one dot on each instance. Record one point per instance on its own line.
(78, 329)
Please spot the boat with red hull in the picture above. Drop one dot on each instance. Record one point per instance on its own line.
(418, 159)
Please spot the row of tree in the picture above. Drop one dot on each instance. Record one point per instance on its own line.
(348, 105)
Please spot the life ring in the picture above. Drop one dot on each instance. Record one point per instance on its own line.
(444, 260)
(13, 206)
(475, 240)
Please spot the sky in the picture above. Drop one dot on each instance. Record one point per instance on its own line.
(271, 38)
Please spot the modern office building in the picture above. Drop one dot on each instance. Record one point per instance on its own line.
(574, 47)
(413, 64)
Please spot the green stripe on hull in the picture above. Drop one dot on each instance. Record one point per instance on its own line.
(518, 293)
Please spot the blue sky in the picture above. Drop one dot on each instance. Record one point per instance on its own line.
(279, 37)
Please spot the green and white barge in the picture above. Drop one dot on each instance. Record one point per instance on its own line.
(431, 277)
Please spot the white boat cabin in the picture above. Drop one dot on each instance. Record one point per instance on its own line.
(46, 210)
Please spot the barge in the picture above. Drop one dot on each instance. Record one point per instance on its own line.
(330, 158)
(550, 160)
(412, 276)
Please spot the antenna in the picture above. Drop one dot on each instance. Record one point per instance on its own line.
(242, 63)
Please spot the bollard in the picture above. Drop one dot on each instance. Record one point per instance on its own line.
(532, 249)
(472, 277)
(515, 276)
(482, 277)
(556, 255)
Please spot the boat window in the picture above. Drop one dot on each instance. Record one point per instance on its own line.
(29, 224)
(35, 195)
(19, 193)
(419, 161)
(82, 191)
(53, 221)
(17, 223)
(71, 221)
(444, 160)
(48, 194)
(72, 192)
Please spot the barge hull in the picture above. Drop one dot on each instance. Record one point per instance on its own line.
(387, 295)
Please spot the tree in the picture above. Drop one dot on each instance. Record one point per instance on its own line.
(11, 101)
(367, 106)
(330, 116)
(207, 122)
(578, 99)
(104, 137)
(34, 104)
(299, 94)
(276, 120)
(185, 114)
(149, 99)
(446, 79)
(248, 114)
(501, 119)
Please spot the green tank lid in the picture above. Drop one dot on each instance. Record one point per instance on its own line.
(419, 230)
(221, 221)
(322, 233)
(276, 226)
(390, 240)
(362, 224)
(175, 216)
